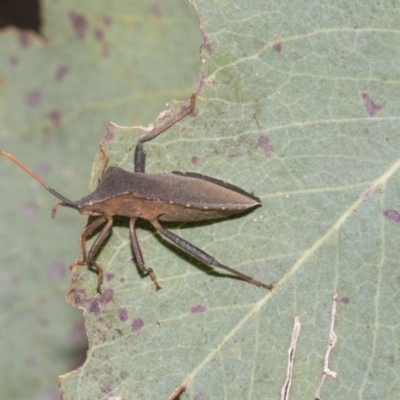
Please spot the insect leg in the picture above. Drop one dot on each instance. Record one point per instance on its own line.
(95, 247)
(137, 253)
(105, 160)
(159, 129)
(203, 256)
(87, 231)
(139, 159)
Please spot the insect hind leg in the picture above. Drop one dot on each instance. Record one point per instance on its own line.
(137, 253)
(203, 256)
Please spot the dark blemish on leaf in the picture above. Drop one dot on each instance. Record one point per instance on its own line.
(15, 279)
(157, 10)
(43, 168)
(345, 300)
(195, 160)
(34, 98)
(123, 375)
(109, 135)
(24, 39)
(198, 396)
(14, 60)
(30, 209)
(265, 144)
(61, 73)
(79, 24)
(369, 104)
(206, 45)
(98, 34)
(277, 46)
(137, 325)
(197, 309)
(392, 214)
(106, 296)
(79, 295)
(94, 306)
(57, 271)
(123, 314)
(54, 117)
(109, 276)
(367, 193)
(107, 20)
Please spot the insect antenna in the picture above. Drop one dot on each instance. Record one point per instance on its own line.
(64, 201)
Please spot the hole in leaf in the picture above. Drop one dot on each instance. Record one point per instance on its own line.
(23, 14)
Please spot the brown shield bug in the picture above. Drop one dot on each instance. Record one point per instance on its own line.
(174, 196)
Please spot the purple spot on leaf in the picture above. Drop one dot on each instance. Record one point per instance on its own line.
(106, 296)
(367, 193)
(94, 306)
(79, 23)
(265, 144)
(195, 160)
(14, 60)
(79, 295)
(197, 309)
(57, 271)
(54, 117)
(61, 73)
(109, 276)
(24, 39)
(123, 314)
(137, 325)
(107, 20)
(198, 396)
(110, 134)
(392, 214)
(345, 300)
(34, 98)
(157, 10)
(30, 209)
(277, 46)
(98, 34)
(371, 107)
(43, 168)
(206, 45)
(16, 279)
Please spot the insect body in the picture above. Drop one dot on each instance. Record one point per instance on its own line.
(175, 196)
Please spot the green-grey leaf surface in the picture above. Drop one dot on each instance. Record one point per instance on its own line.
(299, 104)
(56, 98)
